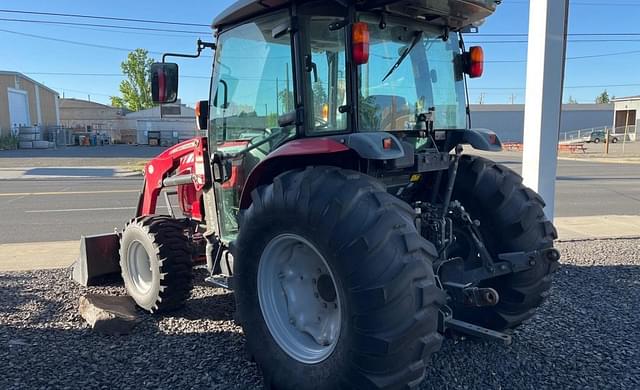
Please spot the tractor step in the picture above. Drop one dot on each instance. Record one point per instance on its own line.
(220, 281)
(476, 331)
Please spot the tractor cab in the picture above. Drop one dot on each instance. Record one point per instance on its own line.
(318, 69)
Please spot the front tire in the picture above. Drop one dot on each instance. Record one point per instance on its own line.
(156, 263)
(511, 220)
(339, 226)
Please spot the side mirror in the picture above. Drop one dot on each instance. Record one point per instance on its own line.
(164, 82)
(202, 114)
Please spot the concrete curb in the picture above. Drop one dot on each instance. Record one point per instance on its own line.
(602, 160)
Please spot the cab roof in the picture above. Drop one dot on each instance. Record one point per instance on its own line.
(454, 13)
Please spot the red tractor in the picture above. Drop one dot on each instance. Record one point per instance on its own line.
(330, 193)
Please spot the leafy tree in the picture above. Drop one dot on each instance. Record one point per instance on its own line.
(603, 98)
(136, 90)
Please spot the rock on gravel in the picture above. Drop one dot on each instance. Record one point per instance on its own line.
(108, 314)
(585, 336)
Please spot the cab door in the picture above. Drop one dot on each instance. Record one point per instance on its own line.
(252, 87)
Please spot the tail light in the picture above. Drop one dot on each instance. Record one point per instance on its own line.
(474, 62)
(360, 42)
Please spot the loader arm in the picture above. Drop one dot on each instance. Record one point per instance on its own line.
(157, 172)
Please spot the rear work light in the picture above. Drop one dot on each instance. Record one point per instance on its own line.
(360, 43)
(474, 62)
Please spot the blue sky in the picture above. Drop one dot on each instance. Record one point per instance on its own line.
(502, 82)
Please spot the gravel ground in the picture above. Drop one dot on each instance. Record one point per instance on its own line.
(587, 335)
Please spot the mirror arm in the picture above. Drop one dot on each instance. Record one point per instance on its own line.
(201, 46)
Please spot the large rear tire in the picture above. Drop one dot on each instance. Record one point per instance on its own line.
(156, 263)
(511, 219)
(326, 248)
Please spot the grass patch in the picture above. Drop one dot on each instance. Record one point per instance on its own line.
(8, 142)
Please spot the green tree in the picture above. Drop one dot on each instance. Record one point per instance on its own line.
(572, 100)
(603, 98)
(319, 97)
(136, 90)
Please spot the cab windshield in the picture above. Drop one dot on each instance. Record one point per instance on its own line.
(390, 99)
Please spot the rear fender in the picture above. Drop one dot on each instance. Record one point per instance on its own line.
(480, 139)
(297, 154)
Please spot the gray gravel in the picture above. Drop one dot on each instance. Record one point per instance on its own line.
(587, 335)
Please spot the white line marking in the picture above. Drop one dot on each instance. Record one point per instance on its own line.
(67, 193)
(87, 209)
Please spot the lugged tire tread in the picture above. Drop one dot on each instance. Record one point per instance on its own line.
(495, 195)
(394, 265)
(173, 252)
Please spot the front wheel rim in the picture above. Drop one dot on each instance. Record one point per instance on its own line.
(298, 298)
(140, 269)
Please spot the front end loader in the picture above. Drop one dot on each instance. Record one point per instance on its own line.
(332, 195)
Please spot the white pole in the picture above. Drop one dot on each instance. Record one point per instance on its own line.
(543, 100)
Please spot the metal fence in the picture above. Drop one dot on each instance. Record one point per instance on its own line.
(622, 133)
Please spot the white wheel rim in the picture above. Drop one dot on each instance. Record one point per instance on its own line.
(139, 267)
(298, 298)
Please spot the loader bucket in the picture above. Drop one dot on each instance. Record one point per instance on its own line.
(99, 256)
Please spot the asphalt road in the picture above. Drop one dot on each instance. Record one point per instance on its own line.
(53, 208)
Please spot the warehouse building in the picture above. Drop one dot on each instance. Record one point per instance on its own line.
(25, 103)
(507, 120)
(626, 120)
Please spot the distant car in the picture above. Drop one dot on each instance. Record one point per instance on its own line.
(598, 136)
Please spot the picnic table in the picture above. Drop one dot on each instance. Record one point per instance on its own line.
(572, 147)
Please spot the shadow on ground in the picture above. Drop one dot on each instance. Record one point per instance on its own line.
(94, 172)
(141, 151)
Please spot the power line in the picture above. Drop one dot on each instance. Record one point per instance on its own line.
(566, 87)
(94, 45)
(619, 53)
(612, 34)
(99, 46)
(99, 74)
(105, 18)
(39, 21)
(569, 40)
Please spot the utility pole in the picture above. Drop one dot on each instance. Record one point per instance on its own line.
(288, 92)
(543, 101)
(277, 98)
(481, 98)
(512, 98)
(626, 127)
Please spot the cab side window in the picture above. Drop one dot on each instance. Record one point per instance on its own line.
(253, 81)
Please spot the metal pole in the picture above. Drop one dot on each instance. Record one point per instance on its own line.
(626, 127)
(543, 100)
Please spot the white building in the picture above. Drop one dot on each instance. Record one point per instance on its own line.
(626, 120)
(162, 125)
